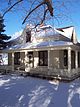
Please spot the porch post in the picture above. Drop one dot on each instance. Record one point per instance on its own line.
(26, 60)
(12, 61)
(48, 59)
(36, 58)
(69, 59)
(76, 59)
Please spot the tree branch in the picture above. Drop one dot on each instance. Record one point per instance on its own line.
(9, 2)
(44, 16)
(49, 5)
(11, 7)
(32, 11)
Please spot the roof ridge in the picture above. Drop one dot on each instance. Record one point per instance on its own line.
(64, 27)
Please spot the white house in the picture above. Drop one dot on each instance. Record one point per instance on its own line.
(47, 51)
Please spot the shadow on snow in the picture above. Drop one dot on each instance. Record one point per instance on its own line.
(16, 91)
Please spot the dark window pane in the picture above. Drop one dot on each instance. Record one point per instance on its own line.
(17, 58)
(46, 58)
(28, 36)
(72, 59)
(65, 58)
(43, 58)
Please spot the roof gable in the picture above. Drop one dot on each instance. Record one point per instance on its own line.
(66, 31)
(69, 32)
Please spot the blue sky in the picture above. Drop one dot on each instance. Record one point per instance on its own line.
(71, 17)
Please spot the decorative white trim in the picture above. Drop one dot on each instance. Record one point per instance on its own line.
(69, 59)
(76, 59)
(48, 59)
(12, 61)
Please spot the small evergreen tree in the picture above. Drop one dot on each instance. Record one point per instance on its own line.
(3, 37)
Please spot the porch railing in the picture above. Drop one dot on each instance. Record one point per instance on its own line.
(55, 72)
(45, 71)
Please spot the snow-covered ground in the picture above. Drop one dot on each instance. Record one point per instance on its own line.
(16, 91)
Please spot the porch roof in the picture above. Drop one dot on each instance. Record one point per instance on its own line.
(39, 45)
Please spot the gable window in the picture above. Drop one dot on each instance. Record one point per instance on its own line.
(43, 58)
(65, 58)
(28, 36)
(17, 58)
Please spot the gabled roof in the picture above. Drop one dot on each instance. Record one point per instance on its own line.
(64, 27)
(66, 31)
(49, 31)
(46, 31)
(69, 32)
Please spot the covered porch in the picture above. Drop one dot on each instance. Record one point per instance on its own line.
(50, 61)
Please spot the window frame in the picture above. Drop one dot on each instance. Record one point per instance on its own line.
(43, 58)
(65, 58)
(17, 58)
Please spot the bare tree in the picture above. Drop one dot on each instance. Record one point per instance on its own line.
(37, 10)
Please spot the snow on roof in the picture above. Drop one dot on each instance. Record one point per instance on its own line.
(45, 26)
(39, 45)
(53, 43)
(66, 31)
(46, 31)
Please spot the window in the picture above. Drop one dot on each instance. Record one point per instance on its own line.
(72, 59)
(3, 59)
(43, 58)
(28, 36)
(65, 58)
(17, 58)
